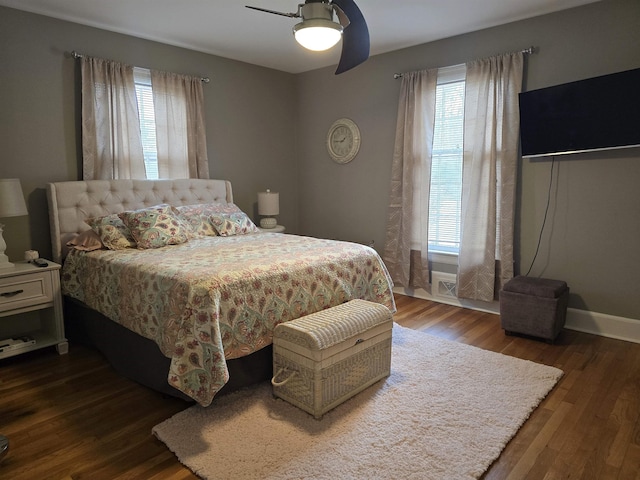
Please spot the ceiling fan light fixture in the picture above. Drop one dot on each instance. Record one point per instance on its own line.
(317, 34)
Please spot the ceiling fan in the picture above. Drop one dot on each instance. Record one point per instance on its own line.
(319, 31)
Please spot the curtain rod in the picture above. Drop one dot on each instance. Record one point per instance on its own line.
(527, 51)
(77, 55)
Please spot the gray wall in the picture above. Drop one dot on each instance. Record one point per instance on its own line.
(591, 236)
(250, 114)
(591, 239)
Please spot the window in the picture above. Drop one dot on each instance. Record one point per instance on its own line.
(445, 194)
(162, 110)
(146, 114)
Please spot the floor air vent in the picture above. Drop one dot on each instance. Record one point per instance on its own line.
(444, 285)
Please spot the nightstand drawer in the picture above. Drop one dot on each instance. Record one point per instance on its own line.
(25, 290)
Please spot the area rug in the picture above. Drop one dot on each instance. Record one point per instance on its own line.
(446, 412)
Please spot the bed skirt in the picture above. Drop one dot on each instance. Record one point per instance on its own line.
(141, 360)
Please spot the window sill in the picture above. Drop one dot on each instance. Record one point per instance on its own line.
(445, 258)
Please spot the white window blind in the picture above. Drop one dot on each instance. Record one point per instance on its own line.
(445, 195)
(146, 114)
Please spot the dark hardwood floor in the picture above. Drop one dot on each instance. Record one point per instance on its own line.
(73, 417)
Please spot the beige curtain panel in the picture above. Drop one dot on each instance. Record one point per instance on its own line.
(491, 131)
(409, 200)
(180, 128)
(111, 141)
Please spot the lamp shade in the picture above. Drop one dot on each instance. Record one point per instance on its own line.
(317, 34)
(268, 203)
(12, 202)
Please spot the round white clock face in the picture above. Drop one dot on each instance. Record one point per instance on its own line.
(343, 140)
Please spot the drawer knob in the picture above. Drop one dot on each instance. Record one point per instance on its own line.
(11, 294)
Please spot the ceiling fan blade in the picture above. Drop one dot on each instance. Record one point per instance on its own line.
(355, 37)
(290, 15)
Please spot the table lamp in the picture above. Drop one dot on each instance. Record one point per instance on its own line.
(11, 205)
(268, 207)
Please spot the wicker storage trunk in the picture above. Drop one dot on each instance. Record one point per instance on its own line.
(322, 359)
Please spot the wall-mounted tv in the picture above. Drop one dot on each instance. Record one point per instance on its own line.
(599, 113)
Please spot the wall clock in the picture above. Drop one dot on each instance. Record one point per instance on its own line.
(343, 140)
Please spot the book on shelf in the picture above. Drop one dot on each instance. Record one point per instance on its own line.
(16, 343)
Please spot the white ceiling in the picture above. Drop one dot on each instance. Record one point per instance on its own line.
(228, 29)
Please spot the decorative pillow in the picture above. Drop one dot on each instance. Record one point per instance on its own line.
(112, 231)
(198, 215)
(87, 241)
(227, 224)
(156, 227)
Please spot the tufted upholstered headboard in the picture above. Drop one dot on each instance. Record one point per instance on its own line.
(71, 202)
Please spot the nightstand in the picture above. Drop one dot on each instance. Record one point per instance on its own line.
(31, 309)
(276, 229)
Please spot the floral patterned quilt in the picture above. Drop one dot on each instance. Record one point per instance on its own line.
(218, 298)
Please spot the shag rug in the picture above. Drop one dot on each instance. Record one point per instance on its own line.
(446, 412)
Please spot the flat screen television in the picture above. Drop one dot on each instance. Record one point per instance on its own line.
(599, 113)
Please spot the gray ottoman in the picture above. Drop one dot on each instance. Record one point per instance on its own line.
(534, 306)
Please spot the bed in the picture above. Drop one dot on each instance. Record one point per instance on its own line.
(194, 318)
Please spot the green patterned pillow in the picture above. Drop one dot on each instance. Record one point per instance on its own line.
(228, 224)
(198, 215)
(112, 231)
(156, 227)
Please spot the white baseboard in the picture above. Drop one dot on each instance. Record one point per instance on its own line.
(602, 324)
(488, 307)
(610, 326)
